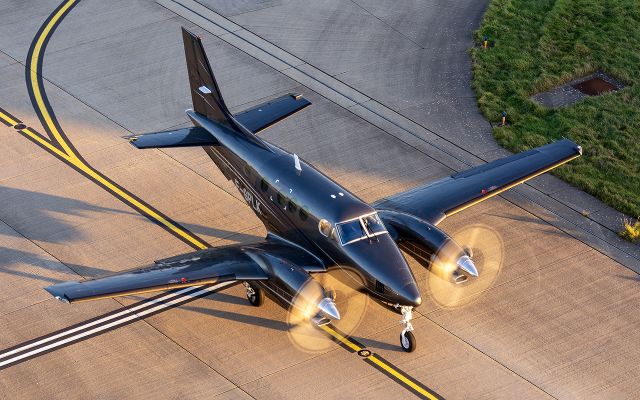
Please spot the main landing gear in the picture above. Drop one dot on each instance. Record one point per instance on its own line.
(255, 294)
(407, 339)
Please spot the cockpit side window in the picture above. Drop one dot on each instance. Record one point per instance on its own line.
(350, 231)
(373, 224)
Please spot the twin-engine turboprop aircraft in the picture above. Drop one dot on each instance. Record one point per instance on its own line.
(313, 223)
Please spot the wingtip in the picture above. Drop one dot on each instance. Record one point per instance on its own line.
(53, 290)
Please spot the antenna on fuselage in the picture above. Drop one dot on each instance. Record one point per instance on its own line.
(296, 162)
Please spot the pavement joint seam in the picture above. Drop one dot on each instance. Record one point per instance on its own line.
(43, 249)
(104, 37)
(515, 279)
(201, 176)
(196, 357)
(489, 357)
(386, 24)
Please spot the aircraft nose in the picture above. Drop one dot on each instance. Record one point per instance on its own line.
(411, 295)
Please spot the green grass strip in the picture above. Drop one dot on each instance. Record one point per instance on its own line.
(543, 44)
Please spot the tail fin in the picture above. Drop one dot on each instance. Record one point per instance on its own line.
(207, 99)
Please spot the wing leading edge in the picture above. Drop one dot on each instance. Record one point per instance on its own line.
(222, 264)
(436, 201)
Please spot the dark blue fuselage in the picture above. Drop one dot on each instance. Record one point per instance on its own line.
(291, 203)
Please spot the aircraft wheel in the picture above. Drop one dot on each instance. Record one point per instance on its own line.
(407, 341)
(255, 295)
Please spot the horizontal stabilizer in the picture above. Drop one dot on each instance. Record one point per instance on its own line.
(265, 115)
(193, 136)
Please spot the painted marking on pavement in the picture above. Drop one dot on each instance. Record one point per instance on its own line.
(105, 323)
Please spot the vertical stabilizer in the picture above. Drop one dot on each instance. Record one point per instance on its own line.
(207, 99)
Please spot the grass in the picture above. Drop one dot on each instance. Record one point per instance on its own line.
(631, 230)
(542, 44)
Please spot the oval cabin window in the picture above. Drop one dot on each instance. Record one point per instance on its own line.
(325, 227)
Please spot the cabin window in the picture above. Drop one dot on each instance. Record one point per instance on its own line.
(281, 199)
(247, 170)
(292, 206)
(264, 185)
(303, 215)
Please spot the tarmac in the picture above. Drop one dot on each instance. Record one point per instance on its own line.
(392, 108)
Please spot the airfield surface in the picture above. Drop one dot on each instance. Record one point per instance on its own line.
(392, 108)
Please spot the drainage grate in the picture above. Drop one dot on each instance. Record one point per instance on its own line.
(595, 86)
(572, 92)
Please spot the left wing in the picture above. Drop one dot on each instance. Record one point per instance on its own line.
(229, 263)
(436, 201)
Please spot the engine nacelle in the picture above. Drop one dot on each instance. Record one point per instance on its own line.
(300, 289)
(429, 245)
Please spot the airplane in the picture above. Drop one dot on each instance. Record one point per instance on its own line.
(314, 224)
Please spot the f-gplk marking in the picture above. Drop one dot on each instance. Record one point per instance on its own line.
(249, 197)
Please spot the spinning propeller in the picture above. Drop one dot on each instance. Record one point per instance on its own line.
(341, 289)
(456, 281)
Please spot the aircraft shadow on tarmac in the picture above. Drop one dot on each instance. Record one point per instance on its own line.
(243, 318)
(221, 297)
(532, 220)
(12, 257)
(47, 211)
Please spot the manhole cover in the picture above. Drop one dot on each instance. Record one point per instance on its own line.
(595, 86)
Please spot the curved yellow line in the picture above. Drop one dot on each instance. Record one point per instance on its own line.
(68, 154)
(35, 56)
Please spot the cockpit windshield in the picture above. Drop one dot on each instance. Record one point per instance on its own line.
(360, 228)
(373, 224)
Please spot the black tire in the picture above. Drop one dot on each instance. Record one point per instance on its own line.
(408, 341)
(256, 299)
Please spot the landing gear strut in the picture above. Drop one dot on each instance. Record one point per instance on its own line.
(255, 295)
(407, 339)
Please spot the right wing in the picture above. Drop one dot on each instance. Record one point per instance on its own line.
(229, 263)
(435, 201)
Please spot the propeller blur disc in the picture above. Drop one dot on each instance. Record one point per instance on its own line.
(349, 299)
(488, 253)
(350, 302)
(302, 332)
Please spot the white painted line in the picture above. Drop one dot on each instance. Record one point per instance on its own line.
(177, 297)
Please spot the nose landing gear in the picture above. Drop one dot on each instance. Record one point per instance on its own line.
(407, 339)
